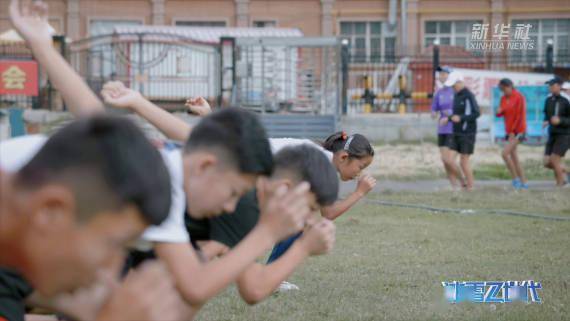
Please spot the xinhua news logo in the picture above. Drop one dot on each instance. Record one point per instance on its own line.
(492, 292)
(503, 37)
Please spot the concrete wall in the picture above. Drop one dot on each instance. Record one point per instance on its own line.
(376, 127)
(390, 128)
(397, 128)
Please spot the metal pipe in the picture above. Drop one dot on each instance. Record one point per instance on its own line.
(404, 26)
(393, 14)
(549, 56)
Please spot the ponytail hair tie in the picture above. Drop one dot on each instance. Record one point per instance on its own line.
(347, 145)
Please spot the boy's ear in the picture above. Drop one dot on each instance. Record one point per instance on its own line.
(52, 207)
(204, 162)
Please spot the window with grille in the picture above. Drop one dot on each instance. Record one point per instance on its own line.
(369, 41)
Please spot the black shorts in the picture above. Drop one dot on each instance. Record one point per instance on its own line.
(464, 144)
(445, 140)
(557, 144)
(520, 137)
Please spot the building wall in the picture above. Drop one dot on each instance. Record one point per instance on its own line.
(312, 17)
(132, 10)
(214, 10)
(304, 15)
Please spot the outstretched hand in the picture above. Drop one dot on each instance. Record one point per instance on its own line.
(198, 106)
(31, 22)
(116, 94)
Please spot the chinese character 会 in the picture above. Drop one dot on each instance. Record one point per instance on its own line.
(14, 78)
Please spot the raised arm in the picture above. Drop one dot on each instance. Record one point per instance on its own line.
(259, 281)
(31, 23)
(117, 95)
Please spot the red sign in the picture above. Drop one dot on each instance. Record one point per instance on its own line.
(18, 77)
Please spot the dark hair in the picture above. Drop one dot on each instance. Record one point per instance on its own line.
(311, 165)
(357, 146)
(238, 136)
(108, 163)
(506, 82)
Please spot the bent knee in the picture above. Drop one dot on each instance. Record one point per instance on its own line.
(547, 163)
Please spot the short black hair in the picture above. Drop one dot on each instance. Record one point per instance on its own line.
(357, 146)
(311, 165)
(108, 163)
(506, 82)
(238, 136)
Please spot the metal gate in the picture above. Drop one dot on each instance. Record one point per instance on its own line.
(292, 75)
(163, 67)
(294, 82)
(277, 75)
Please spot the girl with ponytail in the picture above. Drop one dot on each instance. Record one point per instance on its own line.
(350, 155)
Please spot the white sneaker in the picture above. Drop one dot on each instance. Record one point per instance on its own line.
(286, 287)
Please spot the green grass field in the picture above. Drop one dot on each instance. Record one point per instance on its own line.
(389, 262)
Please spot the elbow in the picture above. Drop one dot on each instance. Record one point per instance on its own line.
(193, 295)
(251, 296)
(329, 214)
(251, 301)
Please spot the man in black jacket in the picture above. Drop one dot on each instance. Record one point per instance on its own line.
(464, 118)
(557, 116)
